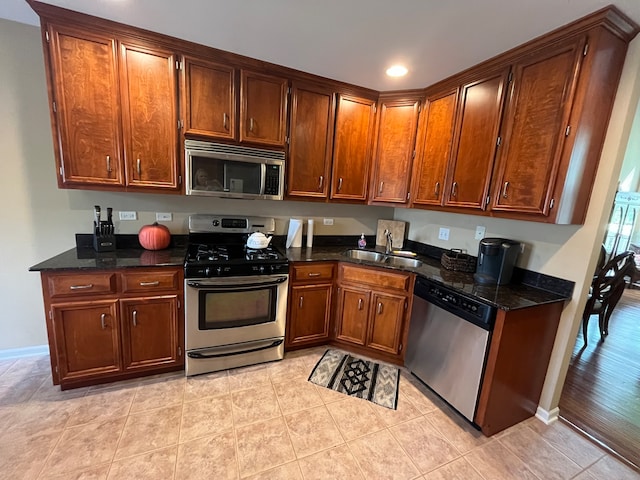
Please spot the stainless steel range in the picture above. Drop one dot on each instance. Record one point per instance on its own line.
(235, 297)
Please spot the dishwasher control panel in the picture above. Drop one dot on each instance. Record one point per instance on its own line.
(471, 310)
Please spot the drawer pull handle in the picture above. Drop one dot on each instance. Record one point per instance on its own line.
(81, 287)
(436, 193)
(251, 122)
(454, 189)
(504, 189)
(300, 302)
(359, 304)
(340, 184)
(108, 164)
(321, 182)
(135, 318)
(380, 189)
(150, 284)
(224, 121)
(102, 322)
(379, 308)
(138, 167)
(313, 274)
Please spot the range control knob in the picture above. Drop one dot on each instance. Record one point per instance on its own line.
(261, 269)
(207, 272)
(216, 223)
(219, 270)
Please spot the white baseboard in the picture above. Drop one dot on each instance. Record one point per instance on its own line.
(547, 416)
(24, 352)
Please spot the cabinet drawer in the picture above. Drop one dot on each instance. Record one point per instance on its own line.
(312, 272)
(149, 281)
(373, 276)
(65, 285)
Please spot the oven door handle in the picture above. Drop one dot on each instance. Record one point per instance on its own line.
(238, 352)
(236, 286)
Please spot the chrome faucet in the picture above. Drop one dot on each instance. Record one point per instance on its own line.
(388, 246)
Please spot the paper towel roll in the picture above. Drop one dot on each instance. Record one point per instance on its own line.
(294, 236)
(310, 233)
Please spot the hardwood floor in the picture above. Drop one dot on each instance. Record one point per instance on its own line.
(601, 395)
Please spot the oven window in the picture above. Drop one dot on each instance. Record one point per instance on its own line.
(228, 309)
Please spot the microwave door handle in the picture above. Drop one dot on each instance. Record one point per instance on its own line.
(263, 177)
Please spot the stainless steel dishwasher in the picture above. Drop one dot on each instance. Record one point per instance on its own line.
(448, 341)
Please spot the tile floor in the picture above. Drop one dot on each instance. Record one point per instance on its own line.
(264, 422)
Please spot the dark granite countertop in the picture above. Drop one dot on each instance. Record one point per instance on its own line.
(129, 254)
(526, 290)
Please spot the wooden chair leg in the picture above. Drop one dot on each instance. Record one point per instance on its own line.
(601, 324)
(585, 324)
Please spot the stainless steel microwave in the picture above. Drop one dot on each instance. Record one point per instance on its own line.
(232, 171)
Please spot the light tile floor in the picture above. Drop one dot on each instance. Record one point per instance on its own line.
(264, 422)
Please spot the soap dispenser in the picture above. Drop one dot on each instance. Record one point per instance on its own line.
(362, 242)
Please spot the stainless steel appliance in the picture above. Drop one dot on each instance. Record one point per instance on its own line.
(496, 259)
(231, 171)
(235, 297)
(448, 342)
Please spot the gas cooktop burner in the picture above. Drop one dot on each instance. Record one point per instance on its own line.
(211, 253)
(262, 254)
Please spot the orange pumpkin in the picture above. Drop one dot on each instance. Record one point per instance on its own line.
(154, 237)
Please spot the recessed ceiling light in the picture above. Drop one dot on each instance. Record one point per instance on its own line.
(397, 71)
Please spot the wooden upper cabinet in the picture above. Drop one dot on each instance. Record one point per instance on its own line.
(476, 138)
(83, 77)
(352, 147)
(430, 168)
(209, 99)
(310, 148)
(263, 112)
(395, 149)
(150, 119)
(536, 124)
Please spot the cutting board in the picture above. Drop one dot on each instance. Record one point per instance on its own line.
(397, 230)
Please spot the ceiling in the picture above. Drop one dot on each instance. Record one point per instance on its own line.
(349, 40)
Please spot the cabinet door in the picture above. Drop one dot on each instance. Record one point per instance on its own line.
(476, 141)
(309, 314)
(431, 167)
(150, 331)
(536, 119)
(395, 149)
(264, 108)
(86, 109)
(352, 315)
(387, 315)
(150, 122)
(312, 119)
(87, 338)
(352, 148)
(209, 99)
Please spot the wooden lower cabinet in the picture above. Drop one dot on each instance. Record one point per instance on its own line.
(100, 333)
(87, 338)
(372, 310)
(310, 299)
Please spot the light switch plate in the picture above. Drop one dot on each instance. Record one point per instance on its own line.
(128, 215)
(480, 231)
(443, 234)
(163, 217)
(327, 221)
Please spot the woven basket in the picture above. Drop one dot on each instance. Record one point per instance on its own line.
(457, 260)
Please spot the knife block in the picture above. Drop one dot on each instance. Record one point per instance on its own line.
(104, 242)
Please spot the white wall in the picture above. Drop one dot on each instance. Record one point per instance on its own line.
(630, 173)
(39, 221)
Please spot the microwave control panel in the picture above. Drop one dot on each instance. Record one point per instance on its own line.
(272, 180)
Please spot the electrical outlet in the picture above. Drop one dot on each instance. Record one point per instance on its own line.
(443, 234)
(164, 217)
(128, 215)
(480, 230)
(327, 221)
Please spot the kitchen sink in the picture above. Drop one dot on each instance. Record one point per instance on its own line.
(365, 255)
(369, 256)
(402, 261)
